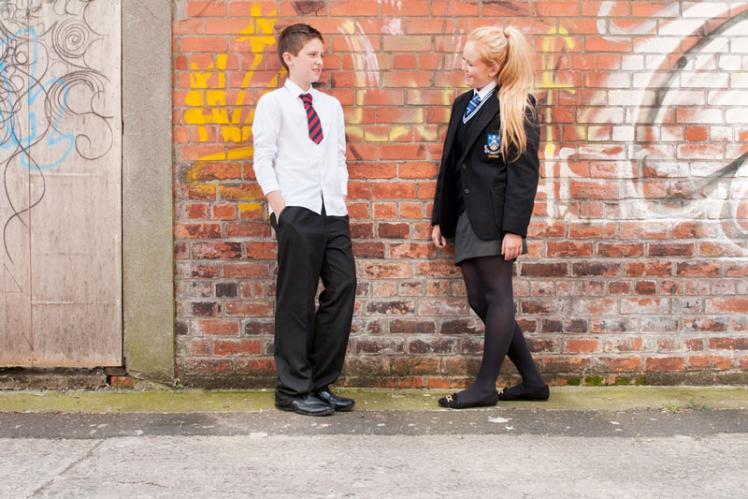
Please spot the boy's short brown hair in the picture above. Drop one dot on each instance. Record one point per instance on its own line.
(293, 38)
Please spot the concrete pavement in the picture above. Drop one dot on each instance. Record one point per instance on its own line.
(585, 442)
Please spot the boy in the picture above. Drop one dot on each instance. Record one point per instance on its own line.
(299, 162)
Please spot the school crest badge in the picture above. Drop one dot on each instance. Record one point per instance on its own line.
(493, 144)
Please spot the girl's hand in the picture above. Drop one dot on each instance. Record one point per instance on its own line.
(511, 246)
(437, 238)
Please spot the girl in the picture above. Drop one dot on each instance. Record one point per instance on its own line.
(484, 199)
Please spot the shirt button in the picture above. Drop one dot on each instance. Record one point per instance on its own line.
(466, 190)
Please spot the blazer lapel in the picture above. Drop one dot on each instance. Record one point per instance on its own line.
(485, 115)
(459, 111)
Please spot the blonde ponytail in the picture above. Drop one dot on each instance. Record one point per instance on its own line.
(508, 49)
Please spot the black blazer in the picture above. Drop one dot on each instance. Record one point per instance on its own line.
(498, 196)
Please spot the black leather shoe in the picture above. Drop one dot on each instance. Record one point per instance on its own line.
(308, 405)
(519, 392)
(453, 401)
(340, 404)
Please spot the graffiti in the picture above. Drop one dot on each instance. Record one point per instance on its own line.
(695, 193)
(208, 100)
(52, 100)
(557, 47)
(706, 180)
(698, 186)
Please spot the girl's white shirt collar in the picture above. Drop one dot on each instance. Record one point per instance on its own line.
(483, 92)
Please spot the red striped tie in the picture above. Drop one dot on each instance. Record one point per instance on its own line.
(315, 126)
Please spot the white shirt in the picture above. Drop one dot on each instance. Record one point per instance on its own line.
(286, 159)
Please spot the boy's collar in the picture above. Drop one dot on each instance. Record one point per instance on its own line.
(295, 89)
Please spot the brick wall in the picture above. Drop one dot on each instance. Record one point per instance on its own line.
(638, 258)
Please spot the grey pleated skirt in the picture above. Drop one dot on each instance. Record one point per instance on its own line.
(469, 245)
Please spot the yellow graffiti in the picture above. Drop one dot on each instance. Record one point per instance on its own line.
(210, 109)
(208, 96)
(549, 80)
(250, 208)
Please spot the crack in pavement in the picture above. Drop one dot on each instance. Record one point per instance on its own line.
(52, 480)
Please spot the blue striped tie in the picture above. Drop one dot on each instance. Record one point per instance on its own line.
(472, 105)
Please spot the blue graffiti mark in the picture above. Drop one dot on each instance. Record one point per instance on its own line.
(45, 131)
(35, 110)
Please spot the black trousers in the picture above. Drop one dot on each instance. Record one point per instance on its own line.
(310, 344)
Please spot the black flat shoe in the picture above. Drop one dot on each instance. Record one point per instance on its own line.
(453, 401)
(340, 404)
(517, 393)
(308, 405)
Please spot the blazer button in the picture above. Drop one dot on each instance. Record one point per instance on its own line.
(466, 190)
(463, 166)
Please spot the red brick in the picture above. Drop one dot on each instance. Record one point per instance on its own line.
(697, 133)
(568, 248)
(368, 250)
(197, 210)
(738, 304)
(261, 250)
(197, 231)
(226, 26)
(646, 287)
(453, 8)
(427, 26)
(247, 229)
(387, 270)
(641, 269)
(709, 362)
(352, 8)
(407, 9)
(698, 269)
(122, 382)
(592, 231)
(246, 270)
(219, 327)
(720, 249)
(412, 250)
(619, 288)
(222, 250)
(544, 270)
(664, 364)
(237, 347)
(590, 190)
(620, 364)
(203, 44)
(438, 269)
(557, 9)
(206, 8)
(394, 191)
(393, 231)
(224, 212)
(645, 230)
(565, 364)
(728, 343)
(596, 269)
(671, 249)
(372, 171)
(582, 345)
(249, 309)
(411, 210)
(617, 250)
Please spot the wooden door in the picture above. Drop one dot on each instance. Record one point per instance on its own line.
(60, 202)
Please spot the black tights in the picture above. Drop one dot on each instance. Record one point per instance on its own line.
(489, 289)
